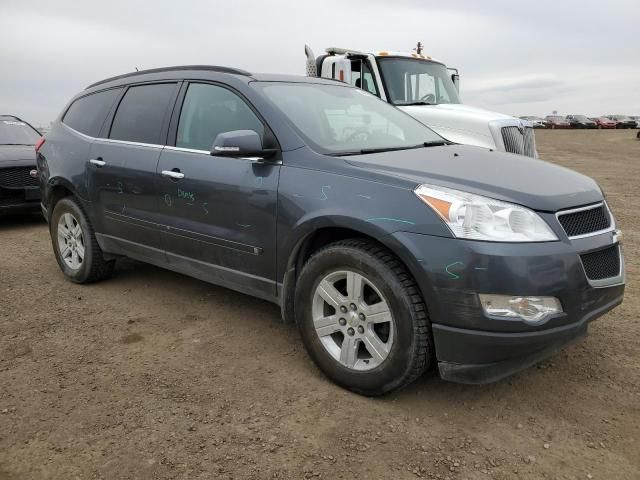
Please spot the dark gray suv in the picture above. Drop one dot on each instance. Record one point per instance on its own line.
(392, 249)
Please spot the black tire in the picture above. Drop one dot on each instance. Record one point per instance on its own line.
(411, 352)
(94, 267)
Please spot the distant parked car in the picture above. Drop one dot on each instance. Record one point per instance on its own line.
(537, 122)
(556, 121)
(18, 174)
(622, 121)
(604, 122)
(637, 120)
(581, 121)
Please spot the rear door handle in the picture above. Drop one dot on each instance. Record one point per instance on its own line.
(98, 162)
(176, 175)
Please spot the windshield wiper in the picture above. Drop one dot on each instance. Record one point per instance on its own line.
(25, 144)
(411, 104)
(365, 151)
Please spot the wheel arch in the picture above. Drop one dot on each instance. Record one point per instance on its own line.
(324, 231)
(57, 189)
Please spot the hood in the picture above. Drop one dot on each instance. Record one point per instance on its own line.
(513, 178)
(461, 123)
(19, 154)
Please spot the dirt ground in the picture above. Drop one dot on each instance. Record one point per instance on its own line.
(156, 375)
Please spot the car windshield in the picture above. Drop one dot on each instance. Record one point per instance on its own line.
(580, 117)
(14, 132)
(560, 119)
(336, 119)
(410, 81)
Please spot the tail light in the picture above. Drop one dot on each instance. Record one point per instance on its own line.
(39, 144)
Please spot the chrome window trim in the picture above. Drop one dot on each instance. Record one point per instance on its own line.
(188, 150)
(134, 144)
(612, 224)
(111, 140)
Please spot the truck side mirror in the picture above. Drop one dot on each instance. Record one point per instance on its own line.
(455, 78)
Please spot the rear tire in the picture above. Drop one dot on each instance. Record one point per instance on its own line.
(75, 246)
(384, 315)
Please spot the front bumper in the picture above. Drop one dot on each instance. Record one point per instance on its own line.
(472, 347)
(18, 200)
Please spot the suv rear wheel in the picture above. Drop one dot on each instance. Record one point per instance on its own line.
(362, 318)
(74, 244)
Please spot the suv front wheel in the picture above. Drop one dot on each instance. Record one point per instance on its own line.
(75, 246)
(362, 318)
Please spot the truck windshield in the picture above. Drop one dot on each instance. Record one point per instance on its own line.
(410, 81)
(14, 132)
(341, 120)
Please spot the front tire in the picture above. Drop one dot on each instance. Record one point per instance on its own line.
(362, 318)
(75, 246)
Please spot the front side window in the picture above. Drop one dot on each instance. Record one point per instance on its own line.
(87, 114)
(410, 81)
(141, 113)
(335, 119)
(15, 132)
(209, 110)
(362, 77)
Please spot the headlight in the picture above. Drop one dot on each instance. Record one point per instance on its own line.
(481, 218)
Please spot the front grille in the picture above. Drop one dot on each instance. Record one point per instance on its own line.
(16, 177)
(520, 141)
(586, 221)
(11, 197)
(602, 263)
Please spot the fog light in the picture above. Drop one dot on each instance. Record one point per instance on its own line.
(529, 309)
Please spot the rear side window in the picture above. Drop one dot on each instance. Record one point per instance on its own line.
(141, 113)
(209, 110)
(87, 114)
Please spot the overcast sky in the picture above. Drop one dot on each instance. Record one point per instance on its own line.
(522, 57)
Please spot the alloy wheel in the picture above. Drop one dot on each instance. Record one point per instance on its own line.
(70, 241)
(353, 320)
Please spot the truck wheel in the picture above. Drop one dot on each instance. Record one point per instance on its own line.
(362, 318)
(74, 244)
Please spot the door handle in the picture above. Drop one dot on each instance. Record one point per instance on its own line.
(98, 162)
(175, 175)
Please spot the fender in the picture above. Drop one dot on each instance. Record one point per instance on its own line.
(292, 248)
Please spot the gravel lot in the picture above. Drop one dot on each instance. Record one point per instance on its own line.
(156, 375)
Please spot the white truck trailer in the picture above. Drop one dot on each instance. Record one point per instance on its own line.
(428, 90)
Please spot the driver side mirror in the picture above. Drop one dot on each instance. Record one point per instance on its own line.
(243, 144)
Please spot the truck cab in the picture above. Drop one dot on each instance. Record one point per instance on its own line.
(428, 90)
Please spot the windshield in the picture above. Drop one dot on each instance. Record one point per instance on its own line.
(582, 118)
(411, 81)
(335, 119)
(13, 132)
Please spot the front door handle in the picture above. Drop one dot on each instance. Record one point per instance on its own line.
(98, 162)
(176, 175)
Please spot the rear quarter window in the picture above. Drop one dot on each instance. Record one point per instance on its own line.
(87, 114)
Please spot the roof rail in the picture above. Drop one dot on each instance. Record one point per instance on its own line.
(211, 68)
(12, 116)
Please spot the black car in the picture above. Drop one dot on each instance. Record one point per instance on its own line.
(581, 121)
(623, 121)
(391, 248)
(19, 190)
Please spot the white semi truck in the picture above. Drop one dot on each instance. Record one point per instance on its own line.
(428, 90)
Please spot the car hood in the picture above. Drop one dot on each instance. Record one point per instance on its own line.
(461, 123)
(17, 154)
(518, 179)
